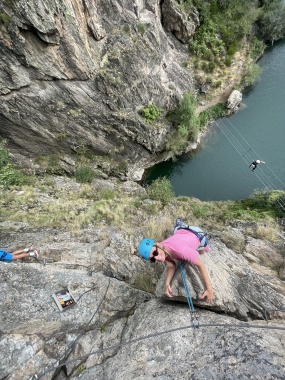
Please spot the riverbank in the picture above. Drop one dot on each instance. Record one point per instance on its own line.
(230, 78)
(218, 168)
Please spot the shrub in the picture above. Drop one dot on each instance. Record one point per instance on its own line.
(9, 175)
(4, 154)
(233, 242)
(50, 163)
(144, 281)
(199, 210)
(126, 29)
(4, 18)
(210, 114)
(258, 206)
(252, 73)
(211, 67)
(160, 190)
(151, 113)
(266, 232)
(107, 194)
(158, 227)
(184, 117)
(141, 29)
(256, 48)
(176, 142)
(228, 60)
(84, 174)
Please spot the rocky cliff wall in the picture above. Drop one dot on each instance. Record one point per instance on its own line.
(113, 323)
(76, 73)
(119, 329)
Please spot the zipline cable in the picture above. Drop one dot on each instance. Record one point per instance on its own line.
(265, 180)
(268, 185)
(256, 153)
(265, 177)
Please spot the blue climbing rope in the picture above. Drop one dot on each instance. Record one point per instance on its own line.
(194, 315)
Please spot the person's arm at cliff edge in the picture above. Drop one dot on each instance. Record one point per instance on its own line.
(209, 291)
(171, 268)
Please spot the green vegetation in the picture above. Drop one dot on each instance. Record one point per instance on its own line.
(253, 72)
(151, 113)
(160, 190)
(50, 163)
(257, 48)
(80, 369)
(107, 194)
(217, 111)
(4, 154)
(271, 21)
(141, 29)
(73, 208)
(145, 281)
(265, 203)
(223, 26)
(61, 136)
(226, 24)
(84, 174)
(233, 242)
(127, 29)
(9, 175)
(184, 117)
(4, 18)
(187, 124)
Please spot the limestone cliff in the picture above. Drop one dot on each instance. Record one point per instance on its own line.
(74, 75)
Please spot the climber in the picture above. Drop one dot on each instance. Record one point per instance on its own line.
(184, 244)
(19, 254)
(255, 163)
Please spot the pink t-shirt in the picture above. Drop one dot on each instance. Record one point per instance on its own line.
(183, 246)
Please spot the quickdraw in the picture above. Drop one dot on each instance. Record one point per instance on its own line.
(193, 313)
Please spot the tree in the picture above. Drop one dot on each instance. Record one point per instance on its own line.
(271, 22)
(185, 115)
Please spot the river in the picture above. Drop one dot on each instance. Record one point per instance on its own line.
(219, 168)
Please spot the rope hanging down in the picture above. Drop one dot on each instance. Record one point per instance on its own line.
(194, 315)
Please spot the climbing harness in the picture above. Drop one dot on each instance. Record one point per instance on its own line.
(201, 235)
(193, 313)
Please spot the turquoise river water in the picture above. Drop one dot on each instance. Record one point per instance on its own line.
(219, 168)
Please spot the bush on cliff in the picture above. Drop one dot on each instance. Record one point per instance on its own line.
(160, 190)
(9, 175)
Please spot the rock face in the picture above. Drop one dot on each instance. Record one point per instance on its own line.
(174, 20)
(205, 353)
(75, 74)
(114, 323)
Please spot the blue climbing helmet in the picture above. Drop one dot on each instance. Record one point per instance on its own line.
(145, 248)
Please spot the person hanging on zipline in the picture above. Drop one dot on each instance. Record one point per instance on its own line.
(255, 163)
(185, 244)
